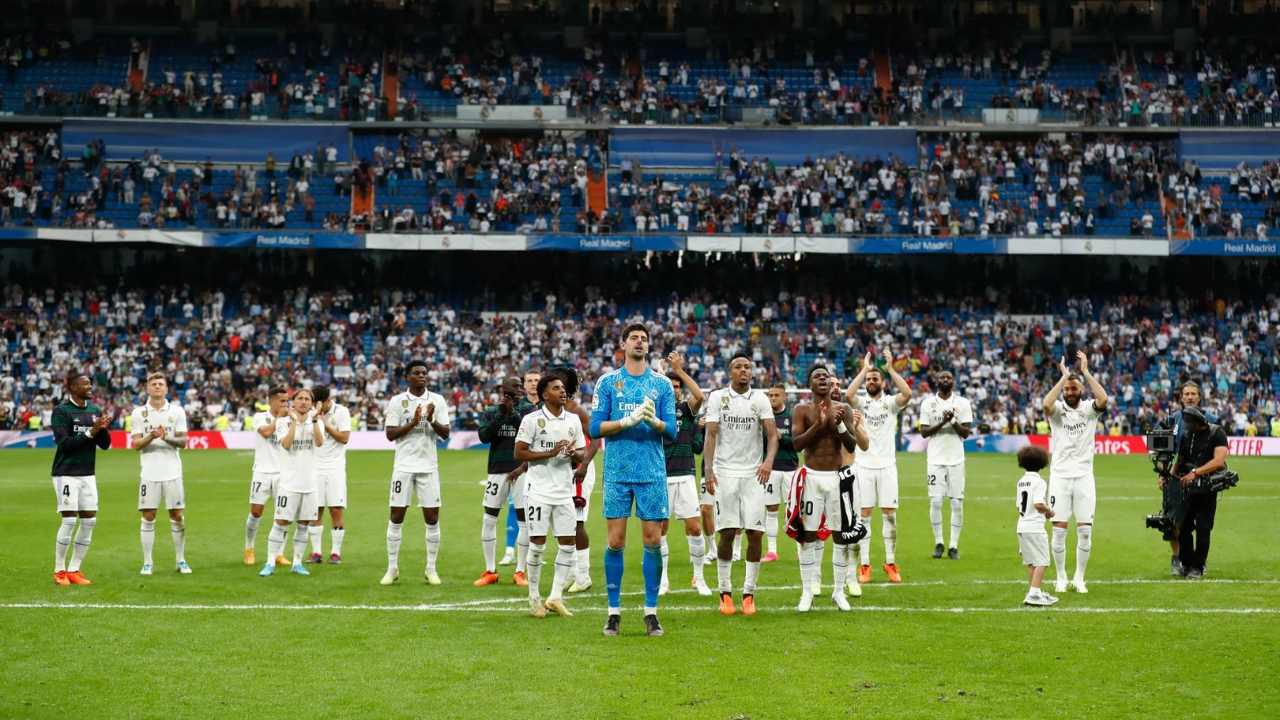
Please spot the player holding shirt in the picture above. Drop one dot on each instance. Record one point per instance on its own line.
(414, 420)
(268, 461)
(946, 419)
(550, 440)
(634, 408)
(498, 427)
(159, 429)
(78, 427)
(299, 436)
(584, 480)
(682, 487)
(825, 430)
(331, 473)
(877, 467)
(739, 423)
(1073, 424)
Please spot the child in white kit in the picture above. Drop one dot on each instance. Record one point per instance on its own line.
(1033, 512)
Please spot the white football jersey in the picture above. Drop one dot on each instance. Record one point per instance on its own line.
(945, 448)
(550, 482)
(416, 451)
(1031, 490)
(332, 455)
(740, 443)
(160, 460)
(268, 455)
(880, 416)
(299, 473)
(1071, 440)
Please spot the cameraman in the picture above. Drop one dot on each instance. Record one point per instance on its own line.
(1202, 451)
(1188, 397)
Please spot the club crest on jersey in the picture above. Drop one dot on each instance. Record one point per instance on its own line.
(618, 386)
(724, 402)
(405, 403)
(541, 423)
(144, 414)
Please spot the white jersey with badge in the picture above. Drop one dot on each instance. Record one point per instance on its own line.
(268, 455)
(740, 440)
(1031, 490)
(946, 447)
(1072, 438)
(332, 455)
(550, 482)
(299, 474)
(416, 451)
(880, 415)
(160, 460)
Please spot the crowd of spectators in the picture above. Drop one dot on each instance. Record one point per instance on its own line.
(222, 349)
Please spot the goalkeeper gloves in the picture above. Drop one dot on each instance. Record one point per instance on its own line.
(635, 417)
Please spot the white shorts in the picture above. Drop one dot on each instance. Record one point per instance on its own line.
(739, 502)
(404, 485)
(1072, 497)
(558, 520)
(878, 487)
(946, 481)
(821, 499)
(263, 487)
(331, 487)
(78, 493)
(588, 487)
(1034, 548)
(497, 490)
(775, 491)
(682, 495)
(295, 506)
(150, 494)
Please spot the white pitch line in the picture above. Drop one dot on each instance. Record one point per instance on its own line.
(708, 608)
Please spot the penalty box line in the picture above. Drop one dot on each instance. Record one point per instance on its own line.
(708, 608)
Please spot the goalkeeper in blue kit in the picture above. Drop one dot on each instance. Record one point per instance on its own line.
(634, 409)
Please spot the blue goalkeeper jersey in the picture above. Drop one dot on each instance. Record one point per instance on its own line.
(634, 455)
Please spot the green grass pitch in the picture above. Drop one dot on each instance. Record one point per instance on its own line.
(951, 641)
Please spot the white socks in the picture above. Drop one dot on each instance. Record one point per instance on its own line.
(753, 573)
(316, 534)
(275, 542)
(489, 541)
(1084, 543)
(393, 544)
(433, 546)
(565, 562)
(148, 534)
(889, 532)
(301, 535)
(697, 555)
(724, 575)
(864, 547)
(935, 518)
(582, 559)
(250, 531)
(337, 534)
(63, 543)
(807, 563)
(1060, 551)
(178, 531)
(81, 543)
(534, 565)
(771, 530)
(666, 560)
(522, 546)
(840, 555)
(957, 521)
